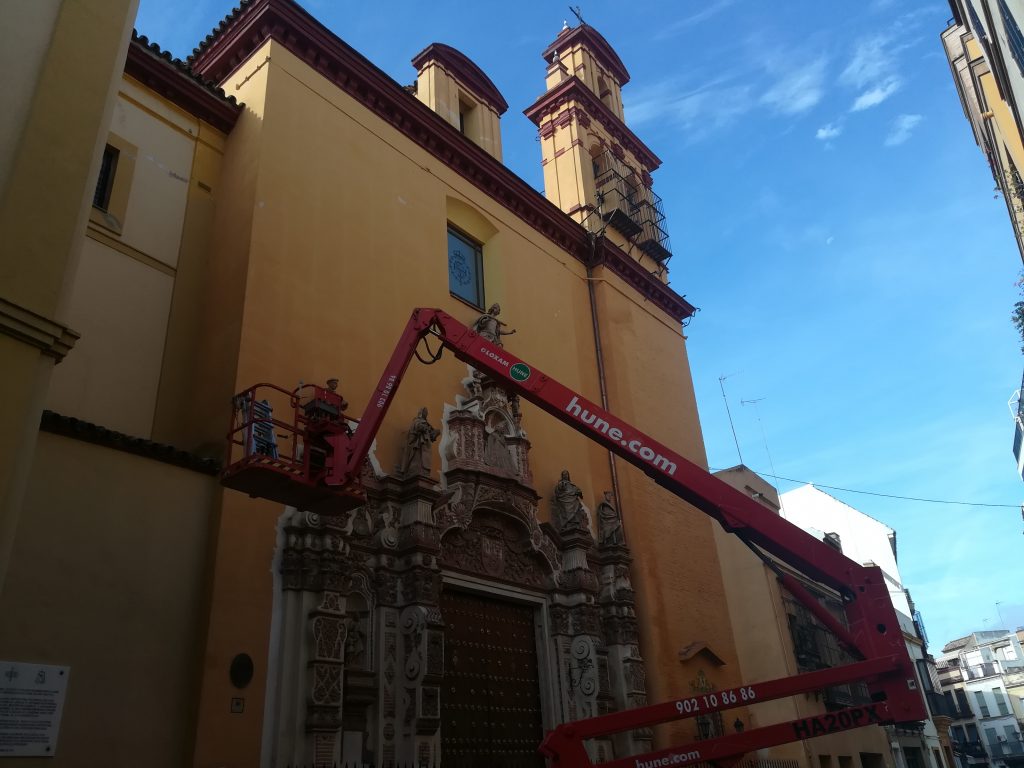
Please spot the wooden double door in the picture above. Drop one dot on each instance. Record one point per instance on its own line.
(490, 700)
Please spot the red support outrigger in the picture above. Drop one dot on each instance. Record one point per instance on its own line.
(321, 472)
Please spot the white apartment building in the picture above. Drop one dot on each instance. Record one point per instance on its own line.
(985, 666)
(871, 542)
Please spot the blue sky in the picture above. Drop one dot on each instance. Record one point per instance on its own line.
(834, 221)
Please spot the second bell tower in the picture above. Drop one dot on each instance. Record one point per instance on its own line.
(595, 168)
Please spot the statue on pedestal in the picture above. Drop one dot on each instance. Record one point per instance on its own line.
(609, 525)
(568, 506)
(416, 454)
(490, 327)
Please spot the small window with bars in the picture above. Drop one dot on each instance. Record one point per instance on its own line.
(105, 181)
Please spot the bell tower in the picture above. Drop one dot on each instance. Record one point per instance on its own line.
(595, 168)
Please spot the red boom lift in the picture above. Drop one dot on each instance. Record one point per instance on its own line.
(324, 475)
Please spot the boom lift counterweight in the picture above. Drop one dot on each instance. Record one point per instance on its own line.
(323, 475)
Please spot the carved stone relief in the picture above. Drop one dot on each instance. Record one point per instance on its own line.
(369, 584)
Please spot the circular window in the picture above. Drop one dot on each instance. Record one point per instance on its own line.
(241, 670)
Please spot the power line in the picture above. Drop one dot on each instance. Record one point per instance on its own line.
(892, 495)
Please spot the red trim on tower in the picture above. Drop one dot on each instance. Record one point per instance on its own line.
(465, 71)
(590, 38)
(572, 89)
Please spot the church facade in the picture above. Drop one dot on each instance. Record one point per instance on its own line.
(272, 210)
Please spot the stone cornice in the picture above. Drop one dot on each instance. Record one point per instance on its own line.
(52, 338)
(465, 71)
(257, 21)
(171, 78)
(648, 286)
(573, 90)
(591, 39)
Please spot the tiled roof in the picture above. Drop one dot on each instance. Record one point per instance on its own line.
(221, 26)
(86, 431)
(174, 80)
(956, 645)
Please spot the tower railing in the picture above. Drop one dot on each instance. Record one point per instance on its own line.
(630, 207)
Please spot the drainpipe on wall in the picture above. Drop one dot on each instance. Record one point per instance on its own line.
(599, 354)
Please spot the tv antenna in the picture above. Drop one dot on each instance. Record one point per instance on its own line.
(721, 383)
(764, 437)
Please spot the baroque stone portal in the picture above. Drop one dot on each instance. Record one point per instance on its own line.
(368, 603)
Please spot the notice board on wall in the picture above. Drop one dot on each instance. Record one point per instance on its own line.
(31, 702)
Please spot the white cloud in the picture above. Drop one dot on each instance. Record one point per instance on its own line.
(698, 111)
(688, 21)
(828, 131)
(902, 127)
(875, 96)
(797, 90)
(872, 60)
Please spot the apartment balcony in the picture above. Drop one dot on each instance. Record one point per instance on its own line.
(632, 209)
(1010, 752)
(942, 705)
(971, 749)
(981, 671)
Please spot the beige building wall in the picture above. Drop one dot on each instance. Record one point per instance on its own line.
(995, 126)
(766, 652)
(108, 578)
(121, 298)
(49, 137)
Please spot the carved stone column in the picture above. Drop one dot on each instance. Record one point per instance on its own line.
(627, 675)
(576, 632)
(326, 667)
(315, 577)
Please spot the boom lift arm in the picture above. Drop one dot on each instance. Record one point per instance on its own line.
(325, 474)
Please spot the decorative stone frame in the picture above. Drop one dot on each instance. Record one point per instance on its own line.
(360, 637)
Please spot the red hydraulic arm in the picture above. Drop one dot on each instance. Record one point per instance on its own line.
(326, 476)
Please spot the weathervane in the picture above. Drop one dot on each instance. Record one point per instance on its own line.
(578, 14)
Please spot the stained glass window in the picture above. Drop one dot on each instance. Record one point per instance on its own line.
(465, 268)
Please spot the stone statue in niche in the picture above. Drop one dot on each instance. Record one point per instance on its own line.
(416, 453)
(568, 506)
(355, 642)
(358, 523)
(609, 526)
(490, 327)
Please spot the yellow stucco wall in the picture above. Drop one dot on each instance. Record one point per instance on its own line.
(321, 271)
(121, 305)
(120, 300)
(108, 579)
(676, 571)
(49, 136)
